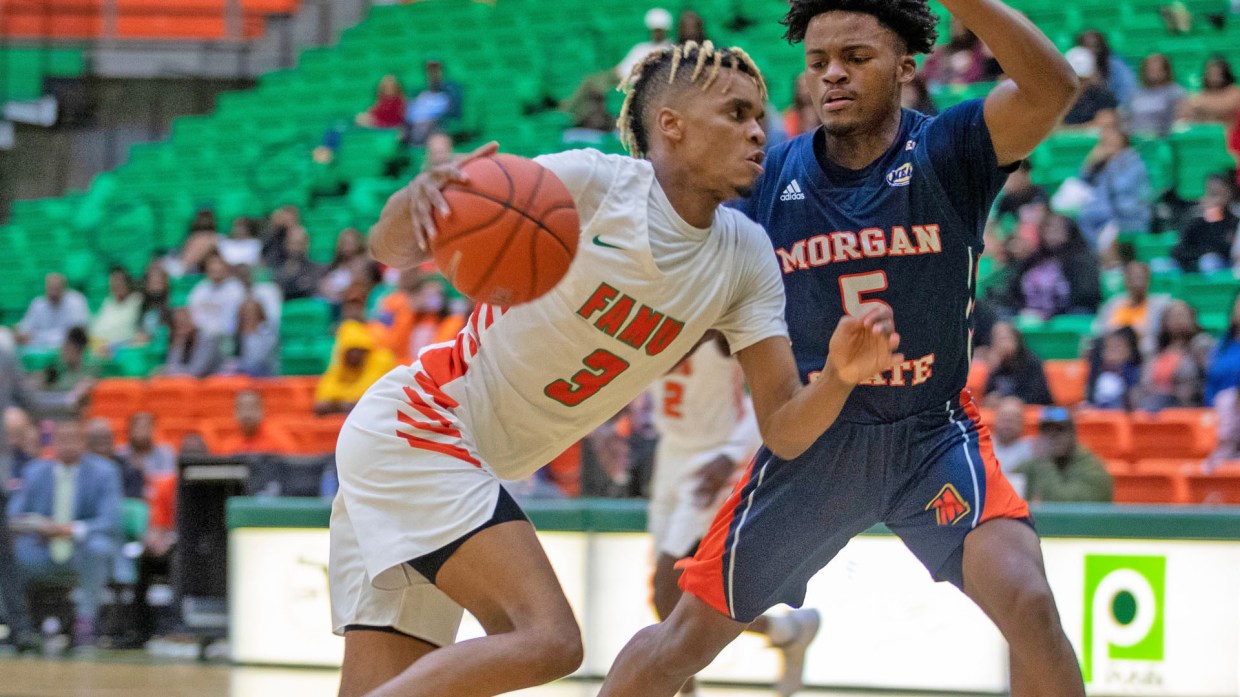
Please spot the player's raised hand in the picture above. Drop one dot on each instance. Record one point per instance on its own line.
(864, 346)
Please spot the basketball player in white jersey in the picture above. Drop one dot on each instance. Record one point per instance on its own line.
(421, 527)
(707, 435)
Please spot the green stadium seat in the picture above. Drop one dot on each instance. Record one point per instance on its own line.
(1211, 293)
(1200, 150)
(1154, 246)
(307, 318)
(1054, 344)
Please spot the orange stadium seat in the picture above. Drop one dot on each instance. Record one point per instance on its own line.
(1170, 466)
(1183, 433)
(1222, 487)
(171, 430)
(173, 396)
(217, 395)
(1067, 379)
(1106, 433)
(1118, 466)
(1150, 488)
(117, 397)
(283, 396)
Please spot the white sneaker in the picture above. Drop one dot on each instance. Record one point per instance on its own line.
(793, 651)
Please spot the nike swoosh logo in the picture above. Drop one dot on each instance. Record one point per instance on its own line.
(598, 240)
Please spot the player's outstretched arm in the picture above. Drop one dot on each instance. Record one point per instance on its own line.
(791, 416)
(402, 236)
(1022, 112)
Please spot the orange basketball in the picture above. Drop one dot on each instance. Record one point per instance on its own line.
(511, 234)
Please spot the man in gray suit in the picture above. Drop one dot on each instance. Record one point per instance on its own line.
(68, 516)
(13, 607)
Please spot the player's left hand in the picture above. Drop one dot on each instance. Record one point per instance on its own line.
(711, 478)
(863, 346)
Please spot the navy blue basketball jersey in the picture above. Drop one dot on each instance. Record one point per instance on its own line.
(906, 231)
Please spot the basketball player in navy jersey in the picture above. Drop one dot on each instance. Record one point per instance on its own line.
(883, 206)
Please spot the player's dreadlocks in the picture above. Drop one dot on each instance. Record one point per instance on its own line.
(912, 20)
(688, 64)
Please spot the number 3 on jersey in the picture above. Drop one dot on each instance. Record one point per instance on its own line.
(602, 367)
(853, 286)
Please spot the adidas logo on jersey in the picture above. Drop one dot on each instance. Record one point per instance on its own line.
(792, 192)
(900, 176)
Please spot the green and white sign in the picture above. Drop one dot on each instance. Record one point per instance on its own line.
(1124, 611)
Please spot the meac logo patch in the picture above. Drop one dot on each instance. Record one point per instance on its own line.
(900, 176)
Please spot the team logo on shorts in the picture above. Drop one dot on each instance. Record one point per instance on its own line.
(949, 506)
(900, 176)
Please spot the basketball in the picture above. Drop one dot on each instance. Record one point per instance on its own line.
(511, 234)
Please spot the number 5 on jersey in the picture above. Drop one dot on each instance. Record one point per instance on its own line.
(854, 286)
(602, 367)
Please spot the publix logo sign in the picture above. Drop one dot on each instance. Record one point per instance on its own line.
(1125, 603)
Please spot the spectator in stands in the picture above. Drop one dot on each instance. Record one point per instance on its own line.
(1112, 69)
(658, 22)
(690, 26)
(1136, 308)
(242, 245)
(1119, 187)
(1096, 104)
(801, 117)
(1153, 108)
(439, 151)
(201, 243)
(1175, 376)
(282, 220)
(1115, 375)
(1061, 276)
(204, 221)
(915, 95)
(153, 460)
(357, 362)
(605, 461)
(963, 60)
(388, 111)
(101, 442)
(1066, 471)
(68, 518)
(257, 435)
(155, 310)
(50, 316)
(193, 444)
(257, 343)
(116, 323)
(258, 286)
(1012, 448)
(1219, 98)
(347, 267)
(1208, 240)
(214, 301)
(67, 383)
(23, 443)
(192, 351)
(297, 276)
(416, 315)
(1014, 370)
(1223, 372)
(434, 106)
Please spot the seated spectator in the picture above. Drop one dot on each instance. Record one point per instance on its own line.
(101, 442)
(192, 351)
(1066, 471)
(67, 383)
(1012, 448)
(204, 221)
(50, 316)
(357, 362)
(257, 435)
(1136, 308)
(690, 26)
(915, 95)
(23, 442)
(434, 106)
(388, 111)
(153, 460)
(67, 516)
(1175, 377)
(1223, 370)
(267, 294)
(282, 220)
(416, 315)
(346, 267)
(1060, 276)
(963, 60)
(1119, 187)
(297, 276)
(1154, 106)
(214, 301)
(1112, 70)
(242, 246)
(1096, 103)
(801, 117)
(1115, 375)
(1219, 98)
(155, 310)
(257, 343)
(192, 257)
(1208, 240)
(1014, 370)
(658, 22)
(116, 323)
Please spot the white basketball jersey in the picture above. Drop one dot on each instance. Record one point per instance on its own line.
(527, 382)
(701, 408)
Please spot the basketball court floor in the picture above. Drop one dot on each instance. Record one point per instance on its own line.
(135, 675)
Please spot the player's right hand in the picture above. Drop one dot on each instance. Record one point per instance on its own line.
(864, 346)
(409, 209)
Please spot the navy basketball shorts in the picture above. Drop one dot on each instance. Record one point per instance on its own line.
(932, 478)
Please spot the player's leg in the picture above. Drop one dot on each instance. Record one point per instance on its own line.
(790, 634)
(375, 655)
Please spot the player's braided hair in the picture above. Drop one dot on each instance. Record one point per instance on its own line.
(689, 63)
(911, 20)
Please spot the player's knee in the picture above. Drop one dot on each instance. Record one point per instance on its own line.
(1033, 614)
(557, 650)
